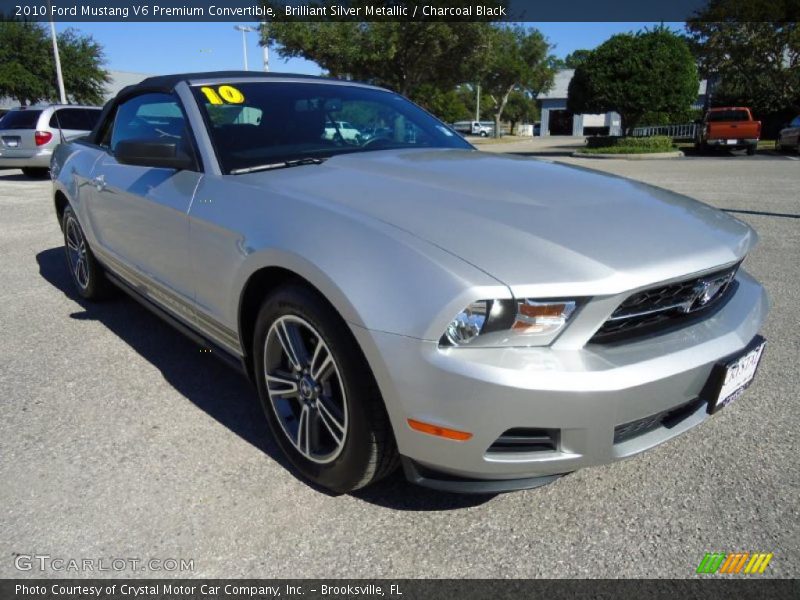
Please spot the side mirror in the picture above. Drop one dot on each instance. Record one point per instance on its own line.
(149, 153)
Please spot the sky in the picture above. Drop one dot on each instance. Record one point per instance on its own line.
(160, 48)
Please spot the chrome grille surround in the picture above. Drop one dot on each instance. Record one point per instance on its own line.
(656, 309)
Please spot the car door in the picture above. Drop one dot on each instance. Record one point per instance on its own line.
(139, 214)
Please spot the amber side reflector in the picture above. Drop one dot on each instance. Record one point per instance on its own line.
(450, 434)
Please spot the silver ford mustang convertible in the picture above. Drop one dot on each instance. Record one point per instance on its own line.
(398, 298)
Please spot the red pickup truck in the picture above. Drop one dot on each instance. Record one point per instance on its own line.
(732, 127)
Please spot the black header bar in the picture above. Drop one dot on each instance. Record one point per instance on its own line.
(352, 10)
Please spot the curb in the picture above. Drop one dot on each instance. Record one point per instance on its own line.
(651, 156)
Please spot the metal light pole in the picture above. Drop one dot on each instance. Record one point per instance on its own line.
(478, 103)
(265, 48)
(59, 77)
(245, 29)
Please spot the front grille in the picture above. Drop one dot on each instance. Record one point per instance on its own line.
(662, 308)
(668, 418)
(525, 439)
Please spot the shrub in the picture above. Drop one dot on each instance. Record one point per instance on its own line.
(605, 144)
(678, 117)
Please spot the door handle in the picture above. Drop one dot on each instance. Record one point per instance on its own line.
(99, 182)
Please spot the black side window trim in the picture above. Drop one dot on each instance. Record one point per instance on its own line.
(106, 127)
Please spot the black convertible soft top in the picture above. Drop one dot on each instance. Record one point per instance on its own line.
(166, 84)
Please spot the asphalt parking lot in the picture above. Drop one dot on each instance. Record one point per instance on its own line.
(120, 439)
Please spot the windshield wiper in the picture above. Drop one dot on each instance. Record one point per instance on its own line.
(280, 165)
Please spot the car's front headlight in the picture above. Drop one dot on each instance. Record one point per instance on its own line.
(524, 322)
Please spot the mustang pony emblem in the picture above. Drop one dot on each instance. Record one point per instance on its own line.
(705, 291)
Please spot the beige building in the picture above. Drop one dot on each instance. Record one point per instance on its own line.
(119, 79)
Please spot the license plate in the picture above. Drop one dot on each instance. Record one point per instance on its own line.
(731, 377)
(11, 142)
(731, 142)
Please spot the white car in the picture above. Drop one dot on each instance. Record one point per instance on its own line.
(343, 129)
(789, 136)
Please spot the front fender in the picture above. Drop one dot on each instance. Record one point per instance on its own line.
(70, 168)
(377, 276)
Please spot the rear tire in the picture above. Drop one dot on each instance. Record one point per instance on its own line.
(87, 274)
(751, 150)
(322, 402)
(36, 172)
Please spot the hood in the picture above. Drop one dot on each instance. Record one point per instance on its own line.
(528, 222)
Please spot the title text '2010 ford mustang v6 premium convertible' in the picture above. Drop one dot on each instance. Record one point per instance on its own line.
(489, 322)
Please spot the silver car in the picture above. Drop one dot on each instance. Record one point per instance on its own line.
(28, 135)
(489, 322)
(789, 136)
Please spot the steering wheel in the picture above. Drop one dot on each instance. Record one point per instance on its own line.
(375, 140)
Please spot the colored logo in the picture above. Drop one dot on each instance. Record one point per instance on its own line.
(735, 562)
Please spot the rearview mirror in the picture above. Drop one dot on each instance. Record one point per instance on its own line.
(315, 104)
(149, 153)
(333, 105)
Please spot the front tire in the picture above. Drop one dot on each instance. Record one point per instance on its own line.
(87, 274)
(318, 393)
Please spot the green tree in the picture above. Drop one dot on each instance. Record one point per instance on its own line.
(753, 48)
(468, 96)
(517, 58)
(634, 74)
(408, 57)
(85, 79)
(448, 105)
(27, 68)
(25, 62)
(576, 59)
(520, 108)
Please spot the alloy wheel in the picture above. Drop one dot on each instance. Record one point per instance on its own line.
(76, 252)
(305, 389)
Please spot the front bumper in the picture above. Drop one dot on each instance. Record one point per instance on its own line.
(584, 394)
(18, 159)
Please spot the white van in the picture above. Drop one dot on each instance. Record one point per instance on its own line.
(481, 128)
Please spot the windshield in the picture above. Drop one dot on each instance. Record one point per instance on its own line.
(21, 119)
(262, 123)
